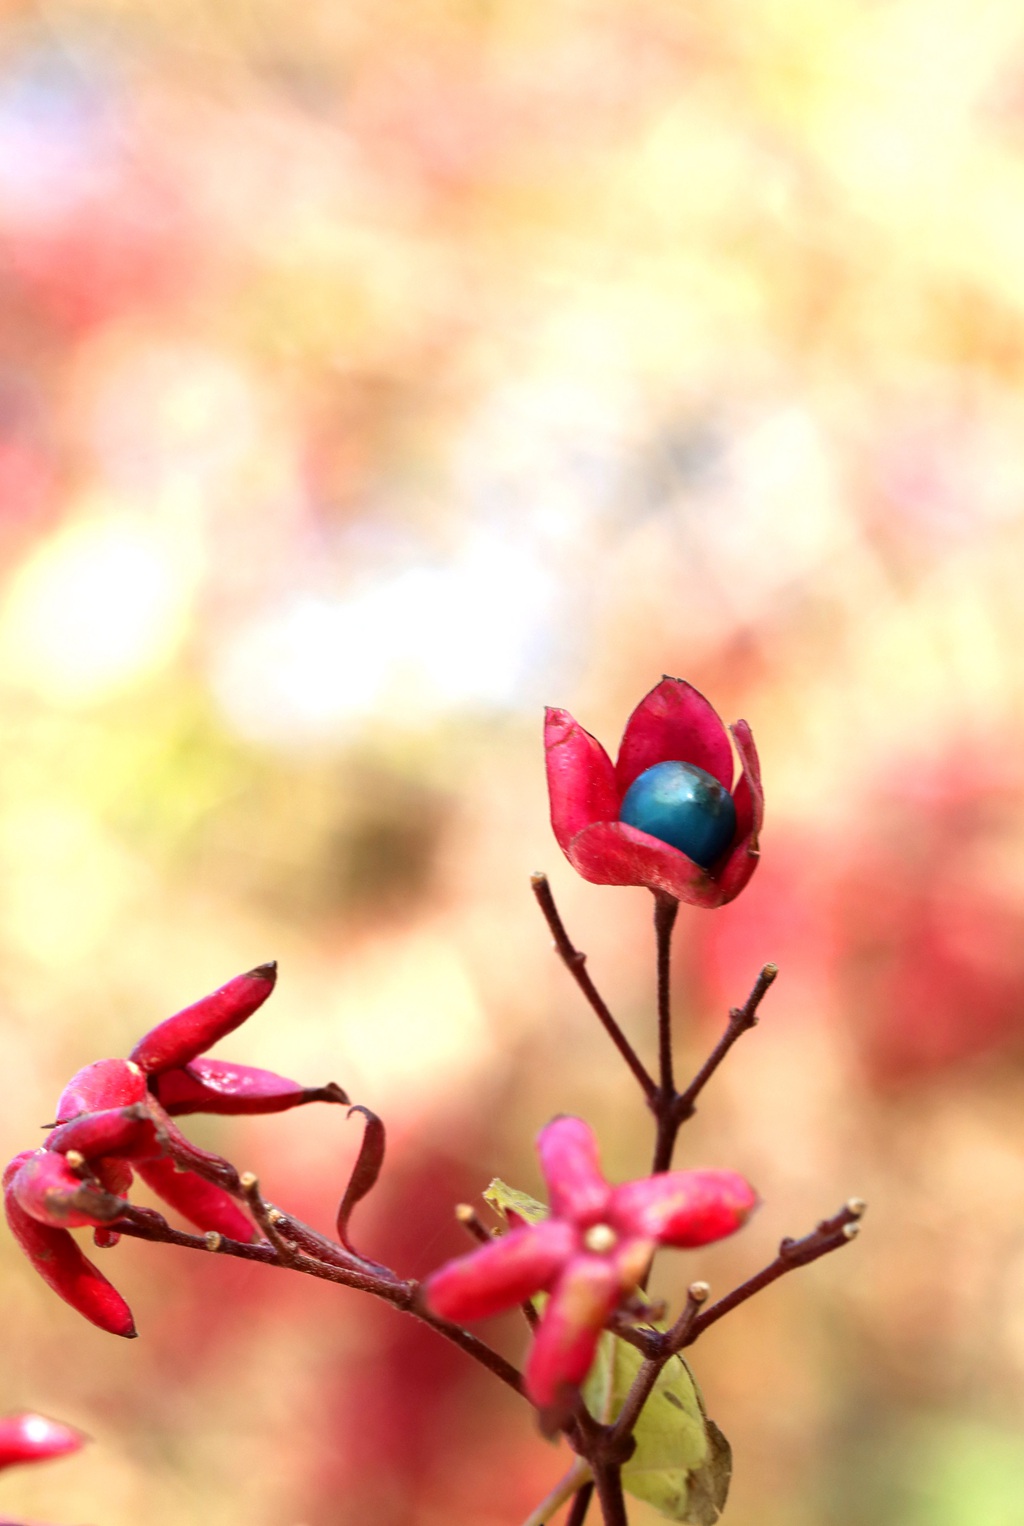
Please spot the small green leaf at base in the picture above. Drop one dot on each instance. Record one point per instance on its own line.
(682, 1464)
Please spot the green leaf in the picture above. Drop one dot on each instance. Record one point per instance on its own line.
(682, 1464)
(502, 1197)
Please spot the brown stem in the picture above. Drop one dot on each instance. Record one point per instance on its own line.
(673, 1108)
(608, 1479)
(668, 1345)
(666, 909)
(580, 1505)
(831, 1234)
(147, 1224)
(740, 1020)
(575, 963)
(266, 1217)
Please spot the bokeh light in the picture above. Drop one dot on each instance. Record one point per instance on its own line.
(371, 376)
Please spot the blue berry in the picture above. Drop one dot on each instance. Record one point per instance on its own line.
(682, 805)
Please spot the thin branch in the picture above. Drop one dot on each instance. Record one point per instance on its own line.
(580, 1505)
(575, 963)
(147, 1224)
(831, 1234)
(741, 1019)
(671, 1342)
(608, 1479)
(666, 909)
(473, 1224)
(266, 1217)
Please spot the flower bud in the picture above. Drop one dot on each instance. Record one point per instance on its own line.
(101, 1085)
(178, 1039)
(47, 1188)
(61, 1264)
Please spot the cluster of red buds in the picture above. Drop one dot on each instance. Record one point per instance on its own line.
(666, 816)
(115, 1119)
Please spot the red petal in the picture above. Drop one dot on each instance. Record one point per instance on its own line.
(568, 1158)
(62, 1266)
(683, 1208)
(566, 1339)
(674, 723)
(612, 853)
(121, 1131)
(103, 1084)
(34, 1438)
(748, 796)
(46, 1188)
(500, 1275)
(735, 872)
(178, 1039)
(581, 779)
(220, 1086)
(199, 1201)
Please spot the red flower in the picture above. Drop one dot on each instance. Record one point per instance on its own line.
(589, 1255)
(113, 1121)
(673, 725)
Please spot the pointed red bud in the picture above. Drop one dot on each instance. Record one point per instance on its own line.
(178, 1039)
(47, 1188)
(220, 1086)
(199, 1201)
(101, 1085)
(62, 1265)
(35, 1438)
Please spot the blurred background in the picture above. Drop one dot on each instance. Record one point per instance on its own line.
(371, 375)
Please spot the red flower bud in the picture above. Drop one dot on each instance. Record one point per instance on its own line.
(101, 1085)
(34, 1438)
(178, 1039)
(46, 1187)
(61, 1264)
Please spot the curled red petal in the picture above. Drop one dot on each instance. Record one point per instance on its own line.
(500, 1275)
(47, 1189)
(178, 1039)
(674, 723)
(101, 1085)
(566, 1339)
(684, 1208)
(220, 1086)
(748, 796)
(116, 1131)
(62, 1265)
(201, 1202)
(581, 779)
(27, 1437)
(569, 1160)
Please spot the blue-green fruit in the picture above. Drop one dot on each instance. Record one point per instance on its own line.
(683, 806)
